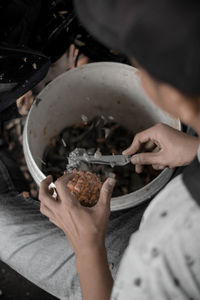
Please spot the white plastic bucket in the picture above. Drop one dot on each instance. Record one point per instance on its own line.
(94, 89)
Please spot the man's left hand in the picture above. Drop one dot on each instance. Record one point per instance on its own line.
(84, 227)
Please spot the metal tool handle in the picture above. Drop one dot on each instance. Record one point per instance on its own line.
(113, 160)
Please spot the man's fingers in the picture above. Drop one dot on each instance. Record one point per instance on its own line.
(135, 146)
(158, 167)
(153, 134)
(156, 149)
(52, 220)
(63, 192)
(45, 194)
(65, 178)
(49, 214)
(148, 147)
(143, 137)
(44, 186)
(106, 191)
(138, 169)
(46, 211)
(146, 159)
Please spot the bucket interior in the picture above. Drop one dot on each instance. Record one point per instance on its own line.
(106, 90)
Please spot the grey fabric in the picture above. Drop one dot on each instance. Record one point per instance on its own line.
(39, 251)
(162, 261)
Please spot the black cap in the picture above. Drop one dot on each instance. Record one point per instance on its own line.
(162, 35)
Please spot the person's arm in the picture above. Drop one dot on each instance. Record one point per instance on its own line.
(94, 274)
(162, 146)
(85, 229)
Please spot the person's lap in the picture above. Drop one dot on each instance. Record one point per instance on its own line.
(39, 250)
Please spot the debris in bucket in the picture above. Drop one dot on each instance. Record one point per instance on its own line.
(100, 136)
(64, 144)
(84, 118)
(98, 153)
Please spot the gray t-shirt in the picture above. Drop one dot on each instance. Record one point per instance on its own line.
(162, 260)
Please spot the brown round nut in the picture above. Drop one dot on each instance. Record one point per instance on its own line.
(86, 187)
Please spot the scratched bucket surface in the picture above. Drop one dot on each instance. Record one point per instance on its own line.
(109, 89)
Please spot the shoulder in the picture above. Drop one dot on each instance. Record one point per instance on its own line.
(164, 254)
(171, 214)
(172, 205)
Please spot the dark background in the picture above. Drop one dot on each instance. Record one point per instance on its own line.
(14, 287)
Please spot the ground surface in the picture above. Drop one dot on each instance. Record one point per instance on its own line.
(14, 287)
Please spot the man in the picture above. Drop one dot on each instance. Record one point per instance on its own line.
(162, 260)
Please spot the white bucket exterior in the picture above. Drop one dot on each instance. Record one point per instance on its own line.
(109, 89)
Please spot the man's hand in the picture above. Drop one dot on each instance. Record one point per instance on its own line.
(162, 146)
(85, 229)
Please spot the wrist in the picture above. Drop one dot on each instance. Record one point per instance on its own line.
(96, 250)
(94, 273)
(90, 255)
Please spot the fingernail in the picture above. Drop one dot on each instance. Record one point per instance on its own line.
(135, 159)
(139, 169)
(111, 181)
(160, 167)
(125, 151)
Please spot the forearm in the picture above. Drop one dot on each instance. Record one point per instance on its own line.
(85, 229)
(94, 274)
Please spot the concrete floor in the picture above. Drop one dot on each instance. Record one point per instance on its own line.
(14, 287)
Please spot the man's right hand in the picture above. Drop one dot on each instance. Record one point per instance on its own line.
(162, 146)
